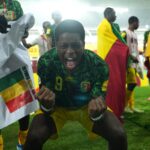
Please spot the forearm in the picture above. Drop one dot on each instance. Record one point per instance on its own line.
(96, 108)
(27, 45)
(47, 104)
(46, 98)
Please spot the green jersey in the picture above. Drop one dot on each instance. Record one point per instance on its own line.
(11, 9)
(74, 89)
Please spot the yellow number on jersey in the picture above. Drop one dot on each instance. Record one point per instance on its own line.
(58, 83)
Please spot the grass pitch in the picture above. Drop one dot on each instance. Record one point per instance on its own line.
(74, 137)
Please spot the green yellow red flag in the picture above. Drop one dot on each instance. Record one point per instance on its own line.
(112, 48)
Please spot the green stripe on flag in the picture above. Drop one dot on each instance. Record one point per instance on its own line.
(118, 35)
(10, 79)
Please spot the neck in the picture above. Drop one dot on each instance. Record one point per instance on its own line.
(131, 28)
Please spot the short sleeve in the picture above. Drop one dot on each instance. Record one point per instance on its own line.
(100, 77)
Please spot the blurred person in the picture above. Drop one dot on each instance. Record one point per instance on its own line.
(73, 87)
(146, 49)
(44, 41)
(57, 18)
(112, 48)
(23, 122)
(132, 41)
(11, 9)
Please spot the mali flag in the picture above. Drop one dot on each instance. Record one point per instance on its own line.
(112, 48)
(16, 89)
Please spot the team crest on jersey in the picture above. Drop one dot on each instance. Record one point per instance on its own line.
(85, 86)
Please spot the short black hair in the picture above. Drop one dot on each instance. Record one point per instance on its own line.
(46, 24)
(133, 19)
(107, 11)
(70, 26)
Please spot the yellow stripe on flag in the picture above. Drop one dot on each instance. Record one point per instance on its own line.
(14, 91)
(147, 51)
(106, 38)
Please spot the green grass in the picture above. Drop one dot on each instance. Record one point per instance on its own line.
(74, 137)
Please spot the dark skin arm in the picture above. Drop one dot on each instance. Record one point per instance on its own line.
(46, 97)
(96, 107)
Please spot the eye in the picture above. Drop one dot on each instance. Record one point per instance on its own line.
(75, 45)
(64, 46)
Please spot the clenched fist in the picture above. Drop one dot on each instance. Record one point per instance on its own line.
(96, 108)
(46, 97)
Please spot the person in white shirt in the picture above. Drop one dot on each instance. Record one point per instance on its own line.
(132, 42)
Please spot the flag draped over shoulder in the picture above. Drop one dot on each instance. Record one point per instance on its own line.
(16, 77)
(114, 51)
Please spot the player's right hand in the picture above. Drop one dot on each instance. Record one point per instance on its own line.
(46, 97)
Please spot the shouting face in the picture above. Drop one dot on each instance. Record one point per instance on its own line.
(70, 49)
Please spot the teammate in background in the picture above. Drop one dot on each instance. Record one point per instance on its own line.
(131, 39)
(147, 53)
(11, 9)
(44, 41)
(56, 16)
(111, 47)
(73, 87)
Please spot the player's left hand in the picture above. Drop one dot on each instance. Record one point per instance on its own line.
(96, 107)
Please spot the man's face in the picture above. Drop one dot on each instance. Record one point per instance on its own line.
(70, 48)
(112, 16)
(136, 25)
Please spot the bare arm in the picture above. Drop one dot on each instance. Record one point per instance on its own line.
(46, 98)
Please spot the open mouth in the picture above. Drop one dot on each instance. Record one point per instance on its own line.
(70, 63)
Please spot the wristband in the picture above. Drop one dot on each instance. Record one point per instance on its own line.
(46, 109)
(97, 118)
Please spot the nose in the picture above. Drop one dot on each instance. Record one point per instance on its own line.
(69, 50)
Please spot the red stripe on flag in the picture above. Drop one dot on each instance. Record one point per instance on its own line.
(19, 101)
(117, 62)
